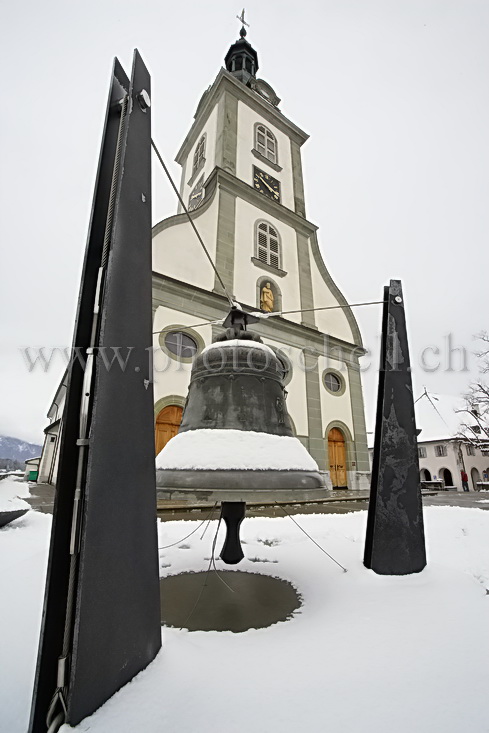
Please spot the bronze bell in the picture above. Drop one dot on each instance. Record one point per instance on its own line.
(235, 442)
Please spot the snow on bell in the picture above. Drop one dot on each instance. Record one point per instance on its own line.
(235, 442)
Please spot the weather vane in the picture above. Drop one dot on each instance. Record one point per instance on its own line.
(243, 21)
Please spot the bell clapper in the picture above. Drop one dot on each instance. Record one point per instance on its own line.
(233, 513)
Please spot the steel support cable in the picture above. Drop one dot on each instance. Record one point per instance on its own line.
(165, 547)
(265, 316)
(311, 538)
(195, 325)
(207, 572)
(327, 308)
(158, 155)
(425, 394)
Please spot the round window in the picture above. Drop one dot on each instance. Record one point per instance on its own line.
(332, 382)
(180, 344)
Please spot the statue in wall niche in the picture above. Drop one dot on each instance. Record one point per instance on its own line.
(267, 298)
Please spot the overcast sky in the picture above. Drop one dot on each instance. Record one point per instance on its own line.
(394, 94)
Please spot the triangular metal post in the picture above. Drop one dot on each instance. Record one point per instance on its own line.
(101, 619)
(395, 542)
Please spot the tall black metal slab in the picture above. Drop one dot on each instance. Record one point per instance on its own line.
(395, 542)
(101, 618)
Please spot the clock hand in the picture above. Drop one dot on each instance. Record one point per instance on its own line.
(266, 184)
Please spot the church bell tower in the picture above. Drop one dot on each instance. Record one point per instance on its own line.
(242, 181)
(242, 60)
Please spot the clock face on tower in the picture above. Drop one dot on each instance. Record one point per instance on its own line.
(266, 184)
(196, 195)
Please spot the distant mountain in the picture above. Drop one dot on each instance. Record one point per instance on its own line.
(18, 450)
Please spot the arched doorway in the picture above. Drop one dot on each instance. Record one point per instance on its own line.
(167, 424)
(337, 458)
(446, 475)
(475, 476)
(425, 474)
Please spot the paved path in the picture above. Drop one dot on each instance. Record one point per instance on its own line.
(468, 499)
(337, 502)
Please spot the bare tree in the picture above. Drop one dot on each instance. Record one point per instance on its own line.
(475, 414)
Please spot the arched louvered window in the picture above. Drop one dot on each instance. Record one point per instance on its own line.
(266, 143)
(199, 154)
(267, 244)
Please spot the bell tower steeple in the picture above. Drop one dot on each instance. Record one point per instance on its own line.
(242, 60)
(242, 181)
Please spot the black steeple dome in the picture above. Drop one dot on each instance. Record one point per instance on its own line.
(242, 60)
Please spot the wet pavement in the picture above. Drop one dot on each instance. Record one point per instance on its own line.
(338, 502)
(228, 600)
(41, 498)
(467, 499)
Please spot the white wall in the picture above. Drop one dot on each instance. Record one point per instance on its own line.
(435, 463)
(335, 407)
(247, 273)
(332, 322)
(47, 458)
(210, 129)
(245, 161)
(178, 253)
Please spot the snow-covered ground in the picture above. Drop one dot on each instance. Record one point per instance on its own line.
(11, 491)
(364, 654)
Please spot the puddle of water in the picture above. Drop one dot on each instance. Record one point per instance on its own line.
(202, 602)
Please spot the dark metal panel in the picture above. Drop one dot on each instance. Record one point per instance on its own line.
(56, 594)
(101, 612)
(117, 620)
(395, 542)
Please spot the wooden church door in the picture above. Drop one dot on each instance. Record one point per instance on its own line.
(167, 424)
(337, 457)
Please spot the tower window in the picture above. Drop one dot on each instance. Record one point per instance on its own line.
(266, 143)
(267, 244)
(199, 155)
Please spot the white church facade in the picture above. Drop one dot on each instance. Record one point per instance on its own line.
(242, 181)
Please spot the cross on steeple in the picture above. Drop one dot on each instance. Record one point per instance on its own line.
(241, 59)
(241, 18)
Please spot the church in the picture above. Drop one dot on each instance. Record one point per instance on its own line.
(242, 182)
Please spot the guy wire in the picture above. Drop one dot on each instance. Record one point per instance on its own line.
(165, 547)
(281, 313)
(206, 574)
(312, 540)
(191, 222)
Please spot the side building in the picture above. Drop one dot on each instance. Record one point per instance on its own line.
(445, 459)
